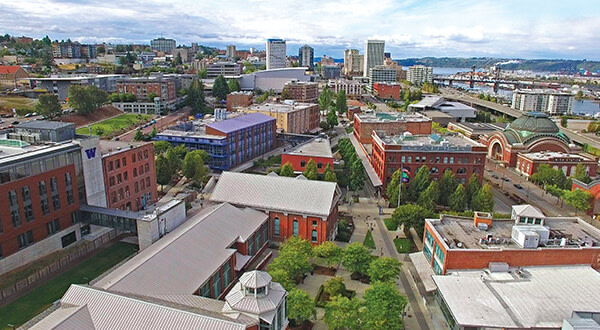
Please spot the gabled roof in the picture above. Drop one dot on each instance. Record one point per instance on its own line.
(281, 194)
(241, 122)
(183, 260)
(9, 69)
(528, 211)
(77, 317)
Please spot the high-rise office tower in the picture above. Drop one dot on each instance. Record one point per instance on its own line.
(353, 63)
(373, 54)
(275, 54)
(306, 57)
(230, 52)
(162, 45)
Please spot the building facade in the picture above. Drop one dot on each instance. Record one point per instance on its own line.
(307, 92)
(142, 88)
(231, 52)
(527, 163)
(380, 74)
(306, 57)
(318, 149)
(419, 74)
(223, 68)
(162, 45)
(353, 88)
(461, 155)
(330, 71)
(354, 63)
(129, 175)
(374, 50)
(291, 117)
(549, 101)
(276, 54)
(387, 90)
(392, 123)
(10, 75)
(236, 100)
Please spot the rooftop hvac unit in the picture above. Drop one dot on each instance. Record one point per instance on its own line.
(530, 236)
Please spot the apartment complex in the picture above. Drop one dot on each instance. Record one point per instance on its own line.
(393, 123)
(353, 88)
(291, 116)
(223, 68)
(59, 85)
(380, 74)
(73, 50)
(419, 74)
(387, 90)
(129, 174)
(461, 155)
(548, 101)
(230, 51)
(162, 45)
(330, 71)
(317, 149)
(303, 91)
(229, 142)
(143, 87)
(276, 54)
(374, 50)
(296, 207)
(306, 57)
(528, 163)
(354, 63)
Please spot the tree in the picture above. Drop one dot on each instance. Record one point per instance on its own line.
(195, 98)
(335, 286)
(139, 136)
(484, 200)
(285, 94)
(48, 105)
(300, 306)
(384, 306)
(287, 170)
(178, 59)
(174, 160)
(472, 188)
(151, 96)
(161, 147)
(181, 151)
(564, 121)
(310, 171)
(193, 167)
(555, 191)
(164, 171)
(546, 175)
(86, 99)
(448, 185)
(330, 252)
(579, 199)
(234, 85)
(581, 173)
(332, 119)
(357, 173)
(329, 174)
(324, 125)
(220, 88)
(458, 199)
(430, 196)
(356, 258)
(342, 313)
(411, 215)
(341, 104)
(384, 269)
(393, 188)
(282, 277)
(294, 257)
(419, 183)
(325, 99)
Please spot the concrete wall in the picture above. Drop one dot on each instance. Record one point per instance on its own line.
(163, 221)
(91, 160)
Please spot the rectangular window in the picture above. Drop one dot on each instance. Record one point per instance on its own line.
(148, 182)
(125, 176)
(53, 227)
(314, 236)
(69, 185)
(136, 188)
(110, 166)
(445, 160)
(133, 158)
(27, 207)
(55, 195)
(146, 168)
(111, 181)
(118, 163)
(319, 165)
(119, 178)
(302, 164)
(134, 172)
(314, 223)
(451, 160)
(145, 154)
(25, 239)
(205, 291)
(403, 159)
(216, 284)
(14, 208)
(124, 161)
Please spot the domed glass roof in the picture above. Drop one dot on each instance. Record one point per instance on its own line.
(531, 126)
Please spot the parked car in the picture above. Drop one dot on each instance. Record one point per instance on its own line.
(506, 179)
(518, 186)
(16, 122)
(495, 176)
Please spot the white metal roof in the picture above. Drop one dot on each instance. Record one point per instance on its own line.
(283, 194)
(255, 279)
(527, 211)
(113, 311)
(318, 147)
(77, 317)
(183, 260)
(535, 297)
(238, 300)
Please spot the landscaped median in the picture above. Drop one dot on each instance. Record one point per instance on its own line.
(114, 125)
(42, 297)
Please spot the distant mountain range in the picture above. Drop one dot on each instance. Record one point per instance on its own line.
(541, 65)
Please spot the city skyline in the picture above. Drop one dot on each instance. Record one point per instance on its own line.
(452, 28)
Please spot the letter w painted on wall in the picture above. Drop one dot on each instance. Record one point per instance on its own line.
(91, 153)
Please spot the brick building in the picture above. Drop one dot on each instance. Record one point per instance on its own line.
(461, 155)
(10, 75)
(164, 88)
(238, 99)
(296, 207)
(318, 149)
(129, 174)
(387, 90)
(393, 123)
(528, 239)
(527, 163)
(302, 91)
(291, 116)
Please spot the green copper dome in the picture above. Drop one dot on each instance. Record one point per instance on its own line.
(531, 126)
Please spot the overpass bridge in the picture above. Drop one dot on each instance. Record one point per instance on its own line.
(471, 80)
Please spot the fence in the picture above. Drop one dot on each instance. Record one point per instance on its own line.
(14, 290)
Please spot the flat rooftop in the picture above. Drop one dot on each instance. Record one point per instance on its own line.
(548, 155)
(16, 150)
(384, 117)
(318, 147)
(279, 107)
(43, 124)
(450, 142)
(480, 127)
(524, 298)
(110, 147)
(454, 230)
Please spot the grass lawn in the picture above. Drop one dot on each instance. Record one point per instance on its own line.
(403, 245)
(114, 124)
(369, 242)
(389, 224)
(34, 302)
(18, 102)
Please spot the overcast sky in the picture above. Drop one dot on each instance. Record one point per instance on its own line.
(413, 28)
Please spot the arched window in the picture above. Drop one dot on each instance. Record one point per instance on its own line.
(276, 227)
(295, 228)
(461, 170)
(434, 170)
(314, 235)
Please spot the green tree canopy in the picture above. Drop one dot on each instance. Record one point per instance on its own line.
(458, 199)
(329, 174)
(384, 306)
(195, 98)
(300, 306)
(384, 269)
(287, 170)
(335, 286)
(484, 200)
(174, 159)
(48, 105)
(294, 257)
(546, 175)
(411, 215)
(428, 198)
(325, 99)
(161, 147)
(581, 173)
(330, 252)
(332, 119)
(448, 185)
(181, 151)
(220, 88)
(282, 277)
(164, 171)
(310, 171)
(86, 99)
(193, 167)
(139, 136)
(357, 258)
(341, 104)
(472, 188)
(234, 85)
(419, 183)
(342, 313)
(579, 199)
